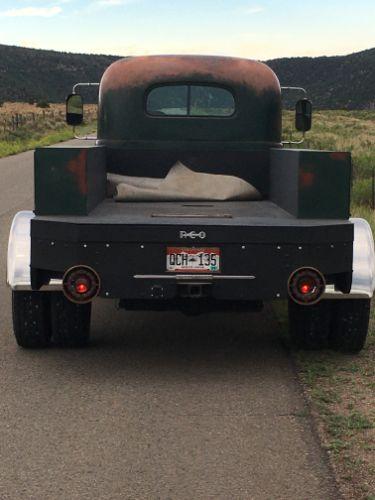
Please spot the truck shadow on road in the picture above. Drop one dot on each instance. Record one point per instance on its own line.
(213, 363)
(172, 338)
(127, 345)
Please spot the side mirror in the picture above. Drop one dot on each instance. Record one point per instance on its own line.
(303, 115)
(74, 109)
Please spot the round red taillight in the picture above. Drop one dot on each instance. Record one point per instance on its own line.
(81, 284)
(306, 286)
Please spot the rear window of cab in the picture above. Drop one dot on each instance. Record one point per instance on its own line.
(190, 100)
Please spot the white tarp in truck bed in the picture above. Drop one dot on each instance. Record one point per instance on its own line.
(181, 184)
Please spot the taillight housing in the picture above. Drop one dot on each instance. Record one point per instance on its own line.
(306, 286)
(81, 284)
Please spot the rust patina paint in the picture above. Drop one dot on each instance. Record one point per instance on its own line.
(339, 156)
(152, 69)
(306, 179)
(123, 121)
(77, 167)
(324, 180)
(69, 180)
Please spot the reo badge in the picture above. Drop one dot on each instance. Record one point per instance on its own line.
(192, 235)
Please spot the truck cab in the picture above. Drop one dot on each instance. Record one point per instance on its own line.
(189, 200)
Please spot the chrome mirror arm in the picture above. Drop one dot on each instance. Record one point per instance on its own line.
(84, 137)
(301, 141)
(83, 84)
(296, 89)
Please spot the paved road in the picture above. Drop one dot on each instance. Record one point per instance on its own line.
(159, 407)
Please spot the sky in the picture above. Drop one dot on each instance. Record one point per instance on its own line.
(260, 30)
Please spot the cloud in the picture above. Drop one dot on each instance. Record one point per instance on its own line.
(111, 3)
(104, 4)
(32, 12)
(256, 9)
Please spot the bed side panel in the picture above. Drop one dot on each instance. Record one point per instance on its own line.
(311, 184)
(69, 180)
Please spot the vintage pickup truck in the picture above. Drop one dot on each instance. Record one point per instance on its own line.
(189, 200)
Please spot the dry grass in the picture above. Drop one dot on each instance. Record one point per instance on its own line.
(341, 389)
(9, 108)
(39, 127)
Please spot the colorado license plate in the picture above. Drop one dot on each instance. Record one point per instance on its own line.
(193, 260)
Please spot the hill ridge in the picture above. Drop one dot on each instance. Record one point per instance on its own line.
(333, 82)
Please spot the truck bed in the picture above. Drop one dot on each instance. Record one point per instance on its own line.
(237, 213)
(242, 222)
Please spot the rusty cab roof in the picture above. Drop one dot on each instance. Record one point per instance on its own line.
(124, 86)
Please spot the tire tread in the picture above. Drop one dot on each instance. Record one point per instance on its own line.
(70, 322)
(350, 324)
(309, 325)
(31, 319)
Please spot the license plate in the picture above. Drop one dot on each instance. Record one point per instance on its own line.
(193, 260)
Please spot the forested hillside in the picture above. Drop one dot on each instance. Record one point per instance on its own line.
(341, 82)
(45, 74)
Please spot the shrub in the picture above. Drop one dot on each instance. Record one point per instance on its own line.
(42, 104)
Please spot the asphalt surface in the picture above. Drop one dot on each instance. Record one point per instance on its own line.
(160, 406)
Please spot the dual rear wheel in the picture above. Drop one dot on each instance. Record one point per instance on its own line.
(340, 324)
(42, 318)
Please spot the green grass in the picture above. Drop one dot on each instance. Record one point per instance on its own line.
(44, 133)
(18, 145)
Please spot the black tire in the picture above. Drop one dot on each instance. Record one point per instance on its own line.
(350, 321)
(309, 326)
(70, 322)
(31, 319)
